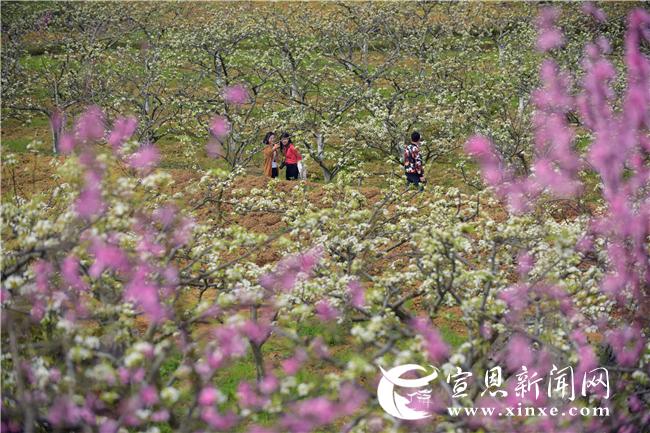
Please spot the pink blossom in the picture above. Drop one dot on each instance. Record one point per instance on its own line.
(289, 270)
(292, 365)
(310, 259)
(218, 421)
(145, 159)
(170, 273)
(435, 346)
(64, 412)
(550, 39)
(215, 149)
(205, 369)
(486, 331)
(183, 231)
(90, 125)
(55, 375)
(108, 426)
(149, 395)
(236, 94)
(165, 214)
(518, 353)
(37, 312)
(42, 272)
(351, 399)
(231, 343)
(587, 361)
(260, 429)
(269, 384)
(128, 408)
(107, 256)
(598, 14)
(148, 350)
(247, 396)
(627, 344)
(550, 36)
(635, 403)
(516, 297)
(525, 263)
(208, 396)
(66, 143)
(138, 375)
(57, 118)
(5, 296)
(90, 202)
(482, 149)
(145, 295)
(124, 375)
(579, 337)
(148, 245)
(309, 414)
(71, 273)
(160, 416)
(326, 311)
(478, 146)
(256, 332)
(122, 130)
(219, 126)
(357, 294)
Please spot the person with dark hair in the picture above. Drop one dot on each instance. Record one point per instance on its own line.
(291, 156)
(413, 162)
(271, 151)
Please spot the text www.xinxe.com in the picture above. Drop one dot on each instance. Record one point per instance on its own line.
(528, 411)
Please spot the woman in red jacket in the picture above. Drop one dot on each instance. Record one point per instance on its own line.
(291, 157)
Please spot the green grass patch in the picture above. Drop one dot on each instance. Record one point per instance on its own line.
(15, 145)
(452, 337)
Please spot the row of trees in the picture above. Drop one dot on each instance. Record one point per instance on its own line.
(349, 79)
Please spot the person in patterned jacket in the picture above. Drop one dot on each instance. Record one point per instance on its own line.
(413, 162)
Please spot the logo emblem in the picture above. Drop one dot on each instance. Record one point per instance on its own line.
(397, 405)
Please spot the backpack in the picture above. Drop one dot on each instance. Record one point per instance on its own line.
(411, 159)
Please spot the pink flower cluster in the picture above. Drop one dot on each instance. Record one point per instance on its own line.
(289, 271)
(308, 415)
(236, 94)
(219, 129)
(618, 154)
(550, 36)
(123, 130)
(434, 344)
(556, 165)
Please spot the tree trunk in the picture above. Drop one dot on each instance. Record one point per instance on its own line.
(520, 107)
(259, 361)
(320, 145)
(218, 70)
(257, 351)
(524, 164)
(294, 88)
(327, 174)
(320, 148)
(364, 50)
(502, 51)
(57, 120)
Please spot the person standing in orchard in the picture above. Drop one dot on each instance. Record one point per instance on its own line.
(291, 157)
(271, 150)
(413, 162)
